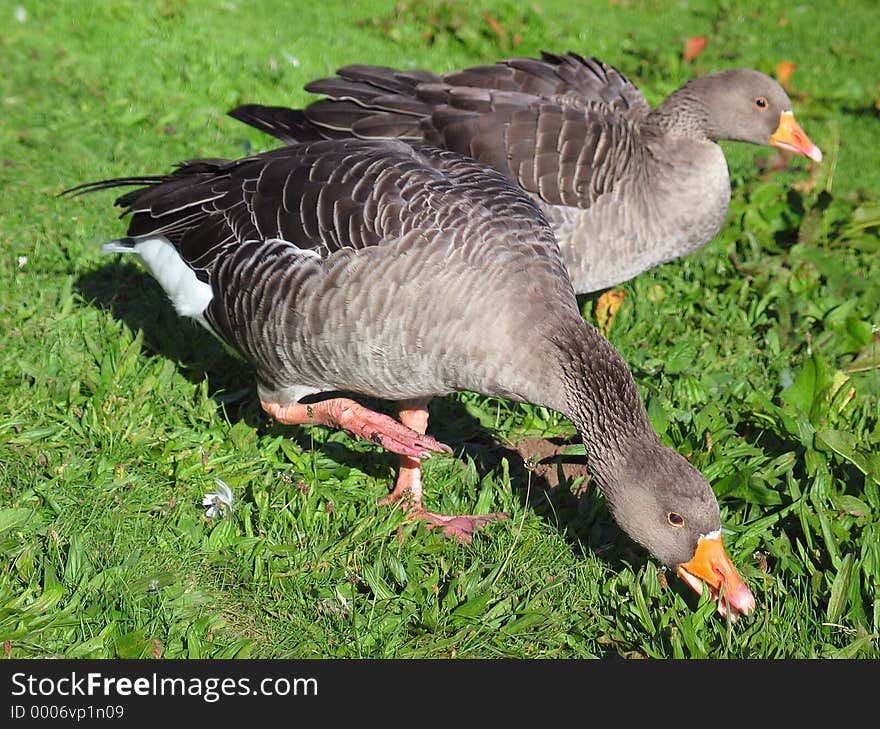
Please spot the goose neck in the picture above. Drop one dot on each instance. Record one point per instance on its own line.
(602, 399)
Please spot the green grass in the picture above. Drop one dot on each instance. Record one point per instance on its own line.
(758, 358)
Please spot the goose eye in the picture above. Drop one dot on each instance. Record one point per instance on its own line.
(676, 520)
(761, 102)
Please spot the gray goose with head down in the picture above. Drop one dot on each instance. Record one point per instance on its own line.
(405, 272)
(624, 187)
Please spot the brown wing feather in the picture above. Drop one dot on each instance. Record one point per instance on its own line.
(556, 125)
(321, 196)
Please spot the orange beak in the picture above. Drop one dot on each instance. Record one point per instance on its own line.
(711, 566)
(790, 137)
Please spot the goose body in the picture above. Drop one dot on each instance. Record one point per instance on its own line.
(624, 187)
(405, 272)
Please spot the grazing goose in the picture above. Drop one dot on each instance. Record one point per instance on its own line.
(404, 272)
(625, 188)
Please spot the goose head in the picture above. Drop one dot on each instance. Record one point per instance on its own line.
(656, 496)
(741, 105)
(668, 506)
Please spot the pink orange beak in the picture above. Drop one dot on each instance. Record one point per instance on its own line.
(790, 137)
(711, 566)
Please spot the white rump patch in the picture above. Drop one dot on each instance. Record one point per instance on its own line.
(189, 295)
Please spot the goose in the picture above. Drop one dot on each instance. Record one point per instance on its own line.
(400, 272)
(625, 187)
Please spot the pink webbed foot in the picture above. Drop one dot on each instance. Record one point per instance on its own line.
(359, 421)
(407, 438)
(408, 492)
(460, 527)
(409, 484)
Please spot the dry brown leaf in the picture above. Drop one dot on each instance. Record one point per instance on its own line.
(774, 163)
(784, 71)
(694, 47)
(494, 25)
(807, 184)
(606, 309)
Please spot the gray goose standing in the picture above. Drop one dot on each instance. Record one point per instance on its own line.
(625, 188)
(405, 272)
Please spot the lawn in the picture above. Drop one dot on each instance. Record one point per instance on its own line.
(758, 357)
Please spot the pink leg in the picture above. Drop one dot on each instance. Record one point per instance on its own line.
(414, 415)
(359, 421)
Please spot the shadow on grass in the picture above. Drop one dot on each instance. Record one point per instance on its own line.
(135, 298)
(544, 485)
(870, 112)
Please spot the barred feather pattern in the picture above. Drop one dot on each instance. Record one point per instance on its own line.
(304, 242)
(558, 125)
(625, 187)
(404, 272)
